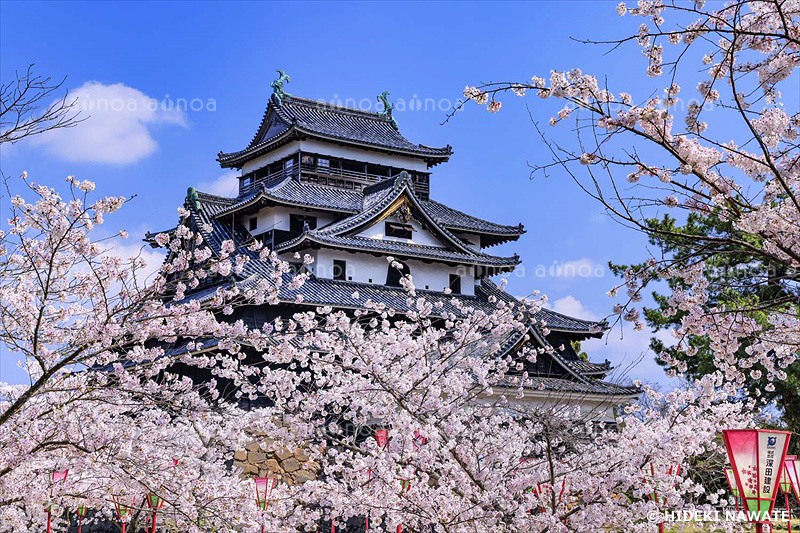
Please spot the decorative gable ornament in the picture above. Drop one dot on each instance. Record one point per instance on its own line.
(386, 114)
(403, 213)
(277, 87)
(757, 456)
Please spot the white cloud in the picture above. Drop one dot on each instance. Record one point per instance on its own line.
(116, 129)
(225, 185)
(569, 305)
(630, 354)
(580, 268)
(153, 258)
(628, 350)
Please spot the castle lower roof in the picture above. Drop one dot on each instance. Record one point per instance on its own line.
(293, 193)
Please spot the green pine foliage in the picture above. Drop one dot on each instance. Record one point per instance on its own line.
(739, 281)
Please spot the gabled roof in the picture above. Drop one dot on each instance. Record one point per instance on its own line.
(578, 375)
(208, 206)
(587, 368)
(300, 117)
(457, 221)
(558, 322)
(552, 384)
(203, 208)
(380, 201)
(354, 295)
(291, 192)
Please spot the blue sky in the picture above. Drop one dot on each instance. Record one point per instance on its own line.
(221, 57)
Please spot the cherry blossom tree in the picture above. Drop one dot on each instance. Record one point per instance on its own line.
(92, 336)
(464, 452)
(731, 152)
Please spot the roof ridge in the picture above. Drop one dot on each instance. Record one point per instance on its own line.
(473, 217)
(401, 248)
(402, 183)
(334, 107)
(304, 116)
(208, 197)
(598, 322)
(423, 246)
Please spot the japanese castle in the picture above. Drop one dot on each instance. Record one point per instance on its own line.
(347, 188)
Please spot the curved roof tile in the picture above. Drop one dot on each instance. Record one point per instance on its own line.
(317, 118)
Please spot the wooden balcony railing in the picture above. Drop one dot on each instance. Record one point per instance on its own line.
(326, 175)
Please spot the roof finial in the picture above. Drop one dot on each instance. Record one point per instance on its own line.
(387, 109)
(192, 199)
(277, 87)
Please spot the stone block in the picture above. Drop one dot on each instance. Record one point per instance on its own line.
(272, 466)
(284, 453)
(256, 457)
(301, 476)
(301, 455)
(290, 464)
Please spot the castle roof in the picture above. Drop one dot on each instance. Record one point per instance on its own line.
(287, 118)
(298, 118)
(570, 375)
(205, 210)
(294, 193)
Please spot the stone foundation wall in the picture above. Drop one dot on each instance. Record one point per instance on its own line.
(257, 460)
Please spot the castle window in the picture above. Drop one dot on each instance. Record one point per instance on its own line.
(455, 283)
(339, 270)
(298, 268)
(296, 222)
(393, 275)
(395, 229)
(323, 163)
(253, 223)
(354, 167)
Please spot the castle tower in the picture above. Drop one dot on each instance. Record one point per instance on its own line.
(347, 188)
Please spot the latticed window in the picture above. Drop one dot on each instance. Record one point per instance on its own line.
(395, 229)
(296, 222)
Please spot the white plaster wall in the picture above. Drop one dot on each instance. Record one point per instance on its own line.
(278, 218)
(473, 239)
(419, 236)
(366, 268)
(266, 159)
(436, 277)
(360, 267)
(593, 407)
